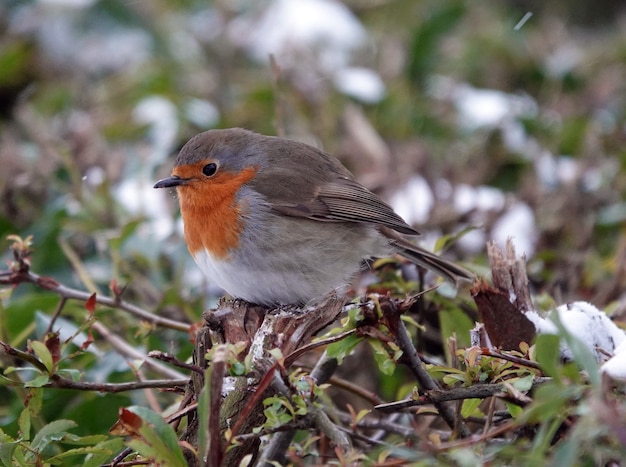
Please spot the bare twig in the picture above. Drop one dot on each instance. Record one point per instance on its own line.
(166, 357)
(519, 361)
(392, 314)
(56, 314)
(60, 382)
(68, 293)
(477, 391)
(130, 352)
(379, 424)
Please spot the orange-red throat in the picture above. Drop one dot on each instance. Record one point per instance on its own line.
(210, 210)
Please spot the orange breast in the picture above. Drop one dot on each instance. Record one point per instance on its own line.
(211, 214)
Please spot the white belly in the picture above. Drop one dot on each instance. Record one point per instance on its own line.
(262, 287)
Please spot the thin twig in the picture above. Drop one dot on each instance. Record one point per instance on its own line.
(424, 379)
(17, 277)
(130, 352)
(382, 424)
(519, 361)
(59, 382)
(56, 314)
(169, 358)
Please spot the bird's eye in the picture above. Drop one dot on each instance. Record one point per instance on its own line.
(209, 169)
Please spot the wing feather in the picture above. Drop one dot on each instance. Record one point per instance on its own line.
(345, 200)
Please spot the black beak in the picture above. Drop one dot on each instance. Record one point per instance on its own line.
(169, 182)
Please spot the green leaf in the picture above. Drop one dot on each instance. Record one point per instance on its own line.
(448, 239)
(203, 416)
(424, 44)
(522, 384)
(470, 408)
(385, 364)
(455, 322)
(24, 424)
(548, 354)
(43, 354)
(38, 382)
(341, 349)
(513, 409)
(7, 449)
(157, 439)
(103, 452)
(53, 431)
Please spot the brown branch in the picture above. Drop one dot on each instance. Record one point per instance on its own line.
(519, 361)
(169, 358)
(22, 276)
(59, 382)
(392, 315)
(55, 315)
(130, 352)
(382, 424)
(23, 356)
(355, 389)
(477, 391)
(215, 374)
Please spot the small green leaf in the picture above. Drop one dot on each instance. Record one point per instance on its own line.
(24, 424)
(522, 384)
(53, 431)
(237, 369)
(548, 354)
(385, 364)
(43, 354)
(513, 409)
(470, 408)
(38, 382)
(343, 348)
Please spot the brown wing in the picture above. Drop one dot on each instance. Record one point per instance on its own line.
(345, 200)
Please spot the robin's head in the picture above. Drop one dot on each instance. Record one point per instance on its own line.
(213, 158)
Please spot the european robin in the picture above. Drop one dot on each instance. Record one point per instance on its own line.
(275, 221)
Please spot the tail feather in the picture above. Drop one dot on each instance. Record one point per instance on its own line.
(446, 269)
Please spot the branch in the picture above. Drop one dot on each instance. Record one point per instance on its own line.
(130, 352)
(60, 382)
(477, 391)
(166, 357)
(24, 275)
(392, 314)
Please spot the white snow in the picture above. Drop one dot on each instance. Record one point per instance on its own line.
(414, 201)
(590, 326)
(360, 83)
(517, 223)
(292, 29)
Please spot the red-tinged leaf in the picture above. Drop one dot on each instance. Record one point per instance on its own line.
(127, 424)
(53, 344)
(87, 341)
(90, 304)
(47, 283)
(115, 289)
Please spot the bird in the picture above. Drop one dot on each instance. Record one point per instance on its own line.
(275, 221)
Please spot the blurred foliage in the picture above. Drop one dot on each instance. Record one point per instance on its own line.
(78, 156)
